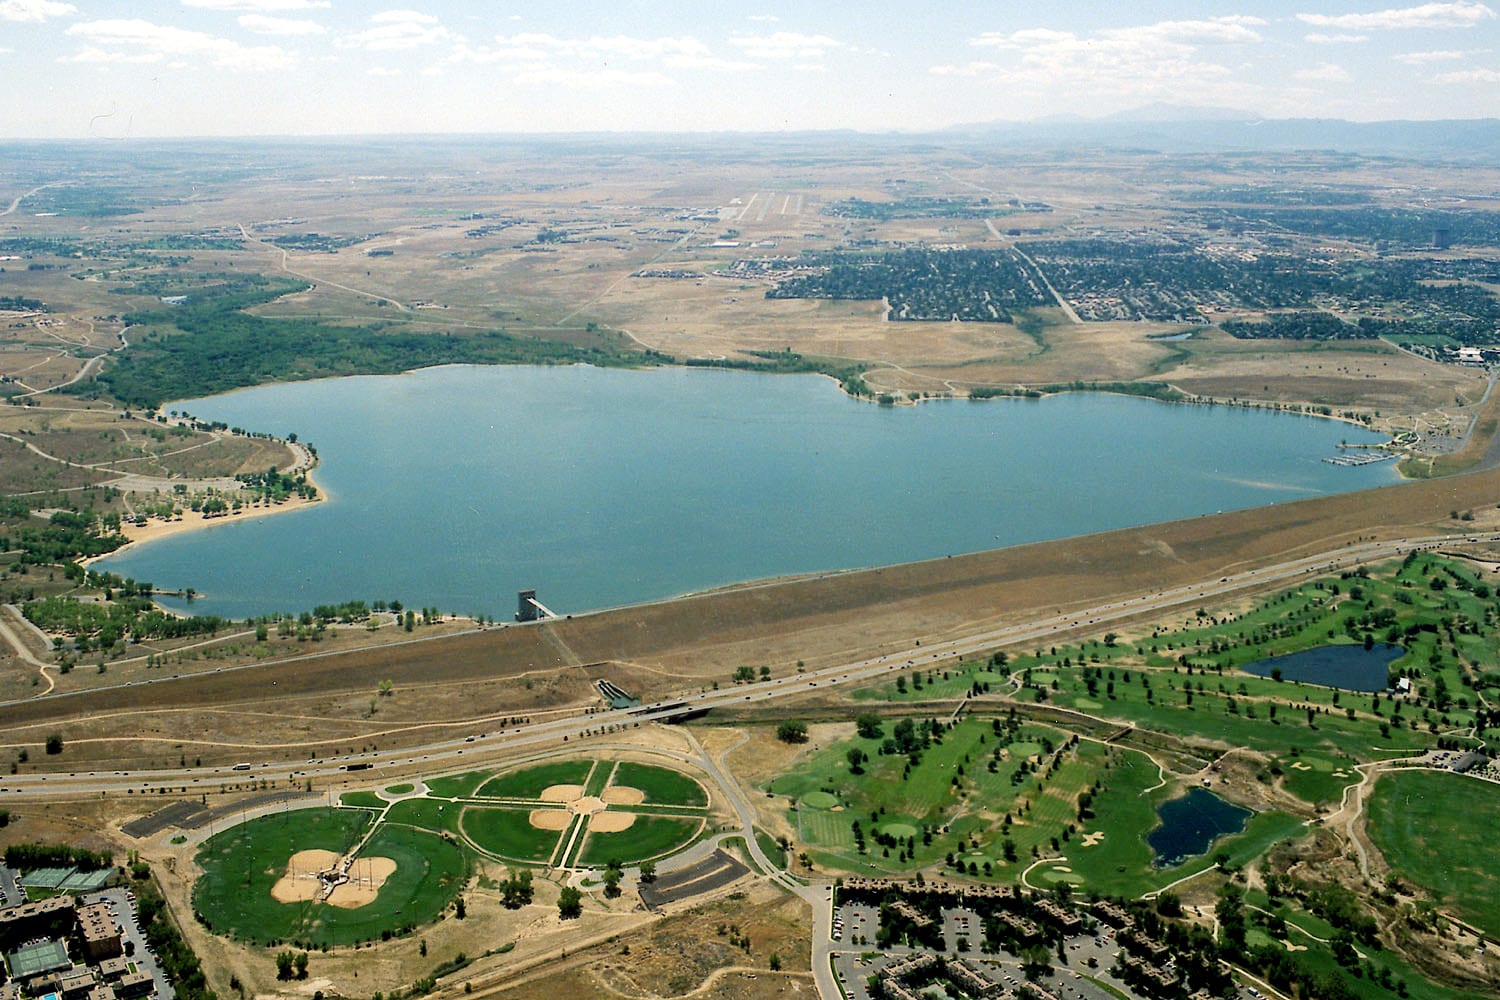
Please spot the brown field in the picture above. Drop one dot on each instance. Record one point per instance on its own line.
(550, 819)
(301, 880)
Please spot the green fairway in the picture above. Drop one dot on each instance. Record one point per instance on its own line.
(530, 782)
(1437, 830)
(647, 837)
(661, 785)
(508, 833)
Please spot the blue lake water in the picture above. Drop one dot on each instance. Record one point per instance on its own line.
(1190, 824)
(455, 487)
(1352, 667)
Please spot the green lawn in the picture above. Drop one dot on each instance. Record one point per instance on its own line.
(647, 837)
(1437, 830)
(508, 833)
(662, 786)
(530, 782)
(363, 800)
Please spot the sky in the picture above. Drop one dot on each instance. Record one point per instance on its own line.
(183, 68)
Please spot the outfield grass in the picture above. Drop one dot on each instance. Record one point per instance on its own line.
(508, 833)
(429, 814)
(1438, 830)
(530, 782)
(662, 786)
(648, 837)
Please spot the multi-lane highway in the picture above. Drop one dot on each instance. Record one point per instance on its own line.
(441, 754)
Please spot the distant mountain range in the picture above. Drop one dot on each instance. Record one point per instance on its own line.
(1173, 128)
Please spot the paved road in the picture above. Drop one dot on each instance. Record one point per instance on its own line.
(554, 732)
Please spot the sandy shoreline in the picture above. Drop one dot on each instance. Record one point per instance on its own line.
(156, 529)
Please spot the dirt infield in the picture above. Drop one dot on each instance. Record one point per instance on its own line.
(550, 819)
(610, 822)
(301, 880)
(562, 793)
(620, 795)
(366, 876)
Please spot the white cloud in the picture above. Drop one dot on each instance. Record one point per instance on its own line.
(781, 46)
(1161, 61)
(398, 29)
(1423, 58)
(763, 18)
(1469, 76)
(1320, 38)
(259, 6)
(607, 79)
(1459, 14)
(34, 11)
(135, 40)
(1325, 72)
(539, 53)
(92, 54)
(382, 71)
(263, 25)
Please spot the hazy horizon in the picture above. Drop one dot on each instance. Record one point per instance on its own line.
(326, 68)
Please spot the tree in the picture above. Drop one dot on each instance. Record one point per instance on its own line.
(775, 962)
(284, 962)
(516, 891)
(648, 872)
(868, 726)
(856, 758)
(301, 963)
(792, 731)
(54, 744)
(611, 882)
(570, 903)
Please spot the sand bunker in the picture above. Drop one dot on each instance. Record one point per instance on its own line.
(1090, 839)
(550, 819)
(366, 876)
(301, 879)
(610, 822)
(562, 793)
(619, 795)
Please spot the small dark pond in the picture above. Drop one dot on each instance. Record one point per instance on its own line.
(1190, 824)
(1353, 668)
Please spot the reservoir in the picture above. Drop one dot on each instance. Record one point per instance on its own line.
(1351, 667)
(455, 487)
(1190, 824)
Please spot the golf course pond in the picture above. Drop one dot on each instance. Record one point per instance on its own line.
(1351, 667)
(1190, 824)
(455, 487)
